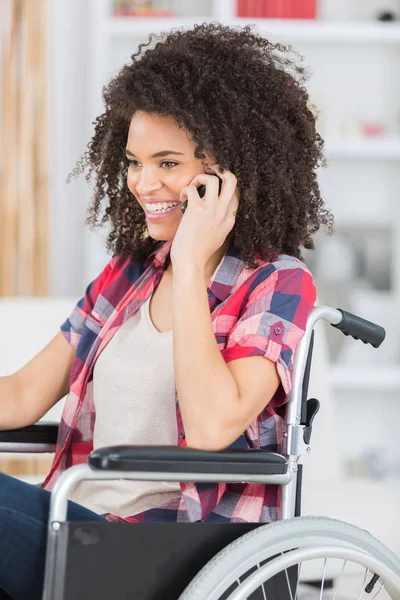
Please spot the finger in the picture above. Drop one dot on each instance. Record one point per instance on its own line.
(229, 197)
(190, 193)
(212, 187)
(234, 206)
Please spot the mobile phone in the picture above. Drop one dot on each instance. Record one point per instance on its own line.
(201, 190)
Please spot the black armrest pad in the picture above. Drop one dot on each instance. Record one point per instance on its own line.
(40, 433)
(187, 460)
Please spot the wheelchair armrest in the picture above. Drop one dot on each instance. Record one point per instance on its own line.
(41, 437)
(187, 460)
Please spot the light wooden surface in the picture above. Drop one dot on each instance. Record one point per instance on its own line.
(22, 465)
(24, 227)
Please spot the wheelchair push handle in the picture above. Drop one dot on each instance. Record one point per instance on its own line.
(361, 329)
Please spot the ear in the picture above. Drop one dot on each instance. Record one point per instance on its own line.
(207, 162)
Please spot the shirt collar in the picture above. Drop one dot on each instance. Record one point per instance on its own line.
(224, 276)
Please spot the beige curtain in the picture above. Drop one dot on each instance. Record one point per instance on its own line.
(24, 178)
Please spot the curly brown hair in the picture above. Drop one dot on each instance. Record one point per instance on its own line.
(243, 100)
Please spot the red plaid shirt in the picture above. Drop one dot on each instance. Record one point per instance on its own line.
(254, 312)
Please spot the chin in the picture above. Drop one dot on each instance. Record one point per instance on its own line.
(160, 235)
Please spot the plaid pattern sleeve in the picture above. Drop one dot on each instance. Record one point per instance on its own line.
(274, 317)
(73, 327)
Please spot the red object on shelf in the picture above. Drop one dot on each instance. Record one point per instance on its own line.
(273, 9)
(281, 8)
(241, 8)
(266, 9)
(277, 9)
(252, 8)
(287, 9)
(304, 9)
(372, 129)
(312, 9)
(259, 9)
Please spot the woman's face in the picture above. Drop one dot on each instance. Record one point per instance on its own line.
(162, 163)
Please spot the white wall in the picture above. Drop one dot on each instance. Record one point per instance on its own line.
(69, 136)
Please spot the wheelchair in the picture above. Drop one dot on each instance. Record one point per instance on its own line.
(214, 561)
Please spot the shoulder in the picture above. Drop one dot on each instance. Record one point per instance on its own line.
(285, 275)
(284, 264)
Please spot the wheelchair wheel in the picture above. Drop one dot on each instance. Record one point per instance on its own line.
(269, 563)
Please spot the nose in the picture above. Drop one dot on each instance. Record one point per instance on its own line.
(147, 183)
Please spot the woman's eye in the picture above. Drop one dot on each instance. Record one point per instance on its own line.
(131, 162)
(166, 164)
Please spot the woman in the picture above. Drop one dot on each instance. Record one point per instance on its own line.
(187, 336)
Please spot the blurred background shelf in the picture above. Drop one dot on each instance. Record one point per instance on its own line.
(299, 30)
(380, 148)
(378, 379)
(127, 26)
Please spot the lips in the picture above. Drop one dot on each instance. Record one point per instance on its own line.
(154, 200)
(160, 216)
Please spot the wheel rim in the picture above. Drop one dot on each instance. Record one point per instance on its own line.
(238, 561)
(386, 586)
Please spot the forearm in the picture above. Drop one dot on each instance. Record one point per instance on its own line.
(10, 403)
(207, 391)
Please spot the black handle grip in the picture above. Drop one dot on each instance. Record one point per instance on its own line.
(361, 329)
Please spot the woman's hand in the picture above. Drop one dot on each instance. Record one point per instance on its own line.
(207, 221)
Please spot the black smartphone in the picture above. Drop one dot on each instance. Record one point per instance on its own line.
(201, 190)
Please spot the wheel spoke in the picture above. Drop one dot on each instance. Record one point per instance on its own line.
(340, 577)
(298, 579)
(323, 580)
(293, 543)
(288, 583)
(379, 591)
(363, 584)
(262, 587)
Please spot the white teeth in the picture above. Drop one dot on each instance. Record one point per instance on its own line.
(160, 206)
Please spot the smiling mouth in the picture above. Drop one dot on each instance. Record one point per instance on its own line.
(161, 210)
(161, 214)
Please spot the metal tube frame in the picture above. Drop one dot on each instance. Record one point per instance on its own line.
(27, 447)
(294, 448)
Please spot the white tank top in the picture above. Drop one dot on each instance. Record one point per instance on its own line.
(134, 397)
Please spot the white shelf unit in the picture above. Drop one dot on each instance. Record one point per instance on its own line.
(294, 30)
(379, 148)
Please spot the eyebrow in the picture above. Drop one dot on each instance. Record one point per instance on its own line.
(158, 154)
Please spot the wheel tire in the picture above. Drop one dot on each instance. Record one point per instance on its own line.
(267, 541)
